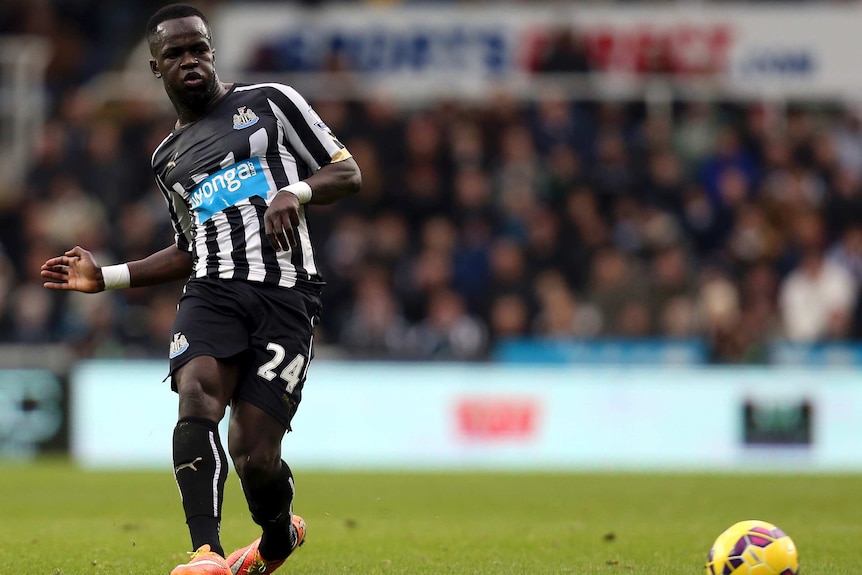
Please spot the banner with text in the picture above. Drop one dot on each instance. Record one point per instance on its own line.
(789, 50)
(466, 416)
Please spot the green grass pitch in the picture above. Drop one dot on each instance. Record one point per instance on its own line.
(56, 519)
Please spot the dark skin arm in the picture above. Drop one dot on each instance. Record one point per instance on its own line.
(331, 182)
(77, 270)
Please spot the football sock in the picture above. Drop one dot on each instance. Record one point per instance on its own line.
(200, 468)
(271, 507)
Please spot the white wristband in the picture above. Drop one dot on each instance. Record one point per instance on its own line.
(117, 277)
(300, 189)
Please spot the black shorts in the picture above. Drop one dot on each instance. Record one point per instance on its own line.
(266, 330)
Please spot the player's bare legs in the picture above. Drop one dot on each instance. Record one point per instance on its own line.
(204, 386)
(254, 442)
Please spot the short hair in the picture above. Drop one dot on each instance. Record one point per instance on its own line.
(172, 12)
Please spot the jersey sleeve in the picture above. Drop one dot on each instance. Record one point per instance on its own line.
(181, 217)
(304, 130)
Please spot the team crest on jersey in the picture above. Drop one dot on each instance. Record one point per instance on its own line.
(178, 345)
(244, 118)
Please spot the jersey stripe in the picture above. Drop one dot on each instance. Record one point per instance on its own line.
(224, 238)
(210, 248)
(270, 260)
(252, 226)
(180, 217)
(237, 238)
(308, 265)
(303, 133)
(290, 167)
(212, 212)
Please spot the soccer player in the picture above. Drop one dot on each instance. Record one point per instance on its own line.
(236, 171)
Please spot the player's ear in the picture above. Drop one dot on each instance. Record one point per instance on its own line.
(154, 68)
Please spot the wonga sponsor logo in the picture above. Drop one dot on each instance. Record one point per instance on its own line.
(227, 187)
(497, 418)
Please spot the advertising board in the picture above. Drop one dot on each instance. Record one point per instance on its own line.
(33, 407)
(508, 417)
(742, 50)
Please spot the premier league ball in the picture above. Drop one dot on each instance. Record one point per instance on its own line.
(753, 548)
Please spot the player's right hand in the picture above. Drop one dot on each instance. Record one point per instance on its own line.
(281, 221)
(75, 270)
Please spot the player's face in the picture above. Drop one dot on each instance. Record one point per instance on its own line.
(183, 57)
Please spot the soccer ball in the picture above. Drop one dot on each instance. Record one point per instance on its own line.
(753, 548)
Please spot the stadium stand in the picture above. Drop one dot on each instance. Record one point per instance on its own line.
(736, 223)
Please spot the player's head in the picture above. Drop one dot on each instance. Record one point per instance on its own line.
(173, 12)
(180, 43)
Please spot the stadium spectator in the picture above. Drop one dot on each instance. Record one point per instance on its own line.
(671, 280)
(720, 309)
(30, 314)
(613, 287)
(695, 134)
(509, 318)
(564, 51)
(374, 328)
(842, 206)
(508, 271)
(612, 172)
(817, 299)
(448, 331)
(847, 251)
(846, 137)
(559, 314)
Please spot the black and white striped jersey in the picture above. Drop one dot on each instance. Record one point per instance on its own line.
(219, 174)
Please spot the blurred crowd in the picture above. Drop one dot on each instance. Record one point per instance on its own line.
(735, 223)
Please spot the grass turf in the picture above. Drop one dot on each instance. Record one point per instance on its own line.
(56, 519)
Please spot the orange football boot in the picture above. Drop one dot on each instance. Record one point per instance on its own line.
(203, 562)
(247, 561)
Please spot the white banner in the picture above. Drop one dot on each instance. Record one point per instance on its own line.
(799, 50)
(435, 416)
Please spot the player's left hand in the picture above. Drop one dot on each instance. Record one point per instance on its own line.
(281, 221)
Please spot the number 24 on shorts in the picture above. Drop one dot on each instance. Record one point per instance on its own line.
(292, 373)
